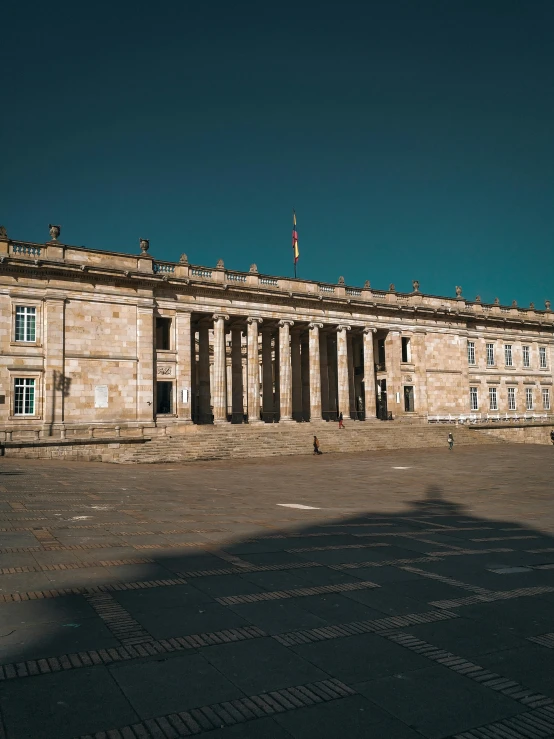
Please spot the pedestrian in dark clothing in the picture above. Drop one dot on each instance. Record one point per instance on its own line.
(450, 441)
(552, 436)
(316, 446)
(341, 424)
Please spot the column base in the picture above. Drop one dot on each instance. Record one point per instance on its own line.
(220, 421)
(254, 421)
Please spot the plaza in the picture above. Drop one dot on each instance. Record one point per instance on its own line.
(401, 594)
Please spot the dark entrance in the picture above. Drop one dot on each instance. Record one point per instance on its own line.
(164, 400)
(382, 413)
(409, 399)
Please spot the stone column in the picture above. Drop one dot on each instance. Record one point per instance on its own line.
(305, 376)
(323, 362)
(219, 393)
(237, 384)
(267, 372)
(369, 374)
(253, 371)
(315, 372)
(351, 383)
(204, 395)
(296, 375)
(145, 367)
(342, 370)
(332, 374)
(184, 367)
(55, 383)
(421, 406)
(285, 371)
(393, 352)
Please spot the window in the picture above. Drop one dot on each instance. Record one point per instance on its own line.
(511, 398)
(25, 323)
(473, 399)
(406, 350)
(529, 398)
(546, 399)
(493, 399)
(526, 362)
(163, 333)
(24, 396)
(471, 352)
(508, 355)
(490, 355)
(542, 357)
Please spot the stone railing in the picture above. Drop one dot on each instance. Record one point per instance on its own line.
(28, 250)
(234, 277)
(158, 267)
(143, 264)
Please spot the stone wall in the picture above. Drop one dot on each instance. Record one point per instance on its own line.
(517, 435)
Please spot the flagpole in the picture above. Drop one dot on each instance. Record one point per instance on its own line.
(293, 250)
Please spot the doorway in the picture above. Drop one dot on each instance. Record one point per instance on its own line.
(408, 399)
(382, 412)
(164, 398)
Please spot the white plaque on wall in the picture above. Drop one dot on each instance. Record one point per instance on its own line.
(101, 396)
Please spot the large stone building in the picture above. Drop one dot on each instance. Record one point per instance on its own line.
(118, 341)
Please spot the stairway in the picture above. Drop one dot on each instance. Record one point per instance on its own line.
(266, 440)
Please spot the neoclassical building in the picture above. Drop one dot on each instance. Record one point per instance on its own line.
(91, 337)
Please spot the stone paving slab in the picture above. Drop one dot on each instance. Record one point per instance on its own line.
(186, 600)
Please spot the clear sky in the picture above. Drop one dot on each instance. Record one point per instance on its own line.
(415, 138)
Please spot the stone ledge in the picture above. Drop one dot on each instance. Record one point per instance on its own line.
(75, 442)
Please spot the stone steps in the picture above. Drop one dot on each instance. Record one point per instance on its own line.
(268, 440)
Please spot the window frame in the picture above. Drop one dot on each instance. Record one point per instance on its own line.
(490, 355)
(474, 396)
(543, 358)
(471, 352)
(27, 383)
(26, 303)
(493, 394)
(526, 353)
(406, 350)
(512, 402)
(529, 399)
(545, 397)
(508, 355)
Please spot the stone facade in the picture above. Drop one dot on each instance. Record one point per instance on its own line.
(90, 338)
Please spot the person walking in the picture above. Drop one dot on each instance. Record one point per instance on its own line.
(450, 441)
(341, 424)
(316, 446)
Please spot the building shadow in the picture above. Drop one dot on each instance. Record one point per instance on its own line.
(145, 636)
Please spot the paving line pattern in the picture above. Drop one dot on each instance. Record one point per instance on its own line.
(231, 600)
(229, 713)
(537, 724)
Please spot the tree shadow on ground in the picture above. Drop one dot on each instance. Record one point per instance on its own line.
(290, 607)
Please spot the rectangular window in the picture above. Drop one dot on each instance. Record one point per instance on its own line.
(526, 362)
(409, 399)
(471, 352)
(529, 398)
(511, 398)
(24, 396)
(406, 352)
(473, 399)
(490, 355)
(163, 333)
(508, 355)
(542, 357)
(493, 399)
(25, 323)
(546, 399)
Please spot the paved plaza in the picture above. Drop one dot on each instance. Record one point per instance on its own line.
(395, 595)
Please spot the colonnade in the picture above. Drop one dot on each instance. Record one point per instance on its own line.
(302, 371)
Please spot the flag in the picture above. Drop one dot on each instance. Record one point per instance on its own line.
(295, 251)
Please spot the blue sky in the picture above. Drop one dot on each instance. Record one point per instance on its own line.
(414, 138)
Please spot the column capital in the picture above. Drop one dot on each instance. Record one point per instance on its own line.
(370, 330)
(343, 327)
(285, 322)
(220, 317)
(254, 319)
(315, 325)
